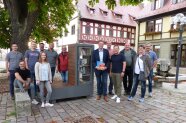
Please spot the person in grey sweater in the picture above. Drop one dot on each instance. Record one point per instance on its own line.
(142, 64)
(44, 78)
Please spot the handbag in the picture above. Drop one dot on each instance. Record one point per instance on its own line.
(141, 76)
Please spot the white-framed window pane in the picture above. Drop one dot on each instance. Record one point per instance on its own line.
(107, 32)
(119, 34)
(125, 34)
(91, 30)
(103, 31)
(83, 30)
(96, 31)
(114, 33)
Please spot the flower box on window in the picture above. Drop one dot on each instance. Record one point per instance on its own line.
(152, 33)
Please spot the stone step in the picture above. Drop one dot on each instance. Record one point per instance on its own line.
(23, 104)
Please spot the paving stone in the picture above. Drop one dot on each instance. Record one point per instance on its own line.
(163, 107)
(40, 120)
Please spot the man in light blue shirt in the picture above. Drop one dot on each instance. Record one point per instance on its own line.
(153, 58)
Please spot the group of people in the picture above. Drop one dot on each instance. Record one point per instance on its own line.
(126, 66)
(35, 70)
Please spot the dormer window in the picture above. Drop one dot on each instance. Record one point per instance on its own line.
(91, 10)
(117, 15)
(104, 12)
(132, 17)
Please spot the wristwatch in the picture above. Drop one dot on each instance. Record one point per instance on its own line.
(123, 71)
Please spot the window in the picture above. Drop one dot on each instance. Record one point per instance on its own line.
(128, 34)
(154, 26)
(105, 13)
(176, 1)
(118, 16)
(110, 32)
(157, 4)
(87, 30)
(150, 26)
(73, 30)
(92, 11)
(99, 31)
(121, 34)
(158, 25)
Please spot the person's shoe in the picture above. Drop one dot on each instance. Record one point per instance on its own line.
(35, 102)
(106, 98)
(98, 97)
(114, 97)
(141, 100)
(49, 104)
(43, 105)
(117, 100)
(130, 98)
(150, 94)
(111, 93)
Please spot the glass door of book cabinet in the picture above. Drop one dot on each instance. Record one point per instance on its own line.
(84, 64)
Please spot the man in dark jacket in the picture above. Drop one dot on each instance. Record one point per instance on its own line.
(128, 77)
(100, 64)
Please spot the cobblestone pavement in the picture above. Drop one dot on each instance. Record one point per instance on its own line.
(164, 107)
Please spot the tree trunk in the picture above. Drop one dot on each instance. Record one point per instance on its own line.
(22, 22)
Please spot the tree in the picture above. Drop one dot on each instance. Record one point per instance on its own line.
(112, 3)
(38, 19)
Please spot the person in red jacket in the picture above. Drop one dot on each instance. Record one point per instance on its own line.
(63, 64)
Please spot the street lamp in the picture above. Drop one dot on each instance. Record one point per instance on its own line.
(178, 22)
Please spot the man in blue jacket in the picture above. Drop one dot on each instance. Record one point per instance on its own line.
(100, 64)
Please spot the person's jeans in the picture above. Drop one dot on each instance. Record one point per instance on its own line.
(116, 77)
(49, 90)
(12, 78)
(128, 79)
(33, 80)
(101, 77)
(53, 70)
(150, 81)
(110, 84)
(31, 90)
(135, 86)
(64, 75)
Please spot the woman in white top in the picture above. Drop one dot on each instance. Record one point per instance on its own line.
(44, 78)
(142, 64)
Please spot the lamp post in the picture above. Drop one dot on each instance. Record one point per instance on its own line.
(178, 22)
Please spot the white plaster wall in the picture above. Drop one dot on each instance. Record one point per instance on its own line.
(70, 39)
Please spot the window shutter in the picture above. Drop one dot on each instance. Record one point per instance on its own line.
(174, 1)
(153, 5)
(162, 3)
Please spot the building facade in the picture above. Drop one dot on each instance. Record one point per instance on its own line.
(92, 24)
(154, 26)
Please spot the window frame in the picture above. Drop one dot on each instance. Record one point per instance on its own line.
(87, 29)
(154, 25)
(73, 30)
